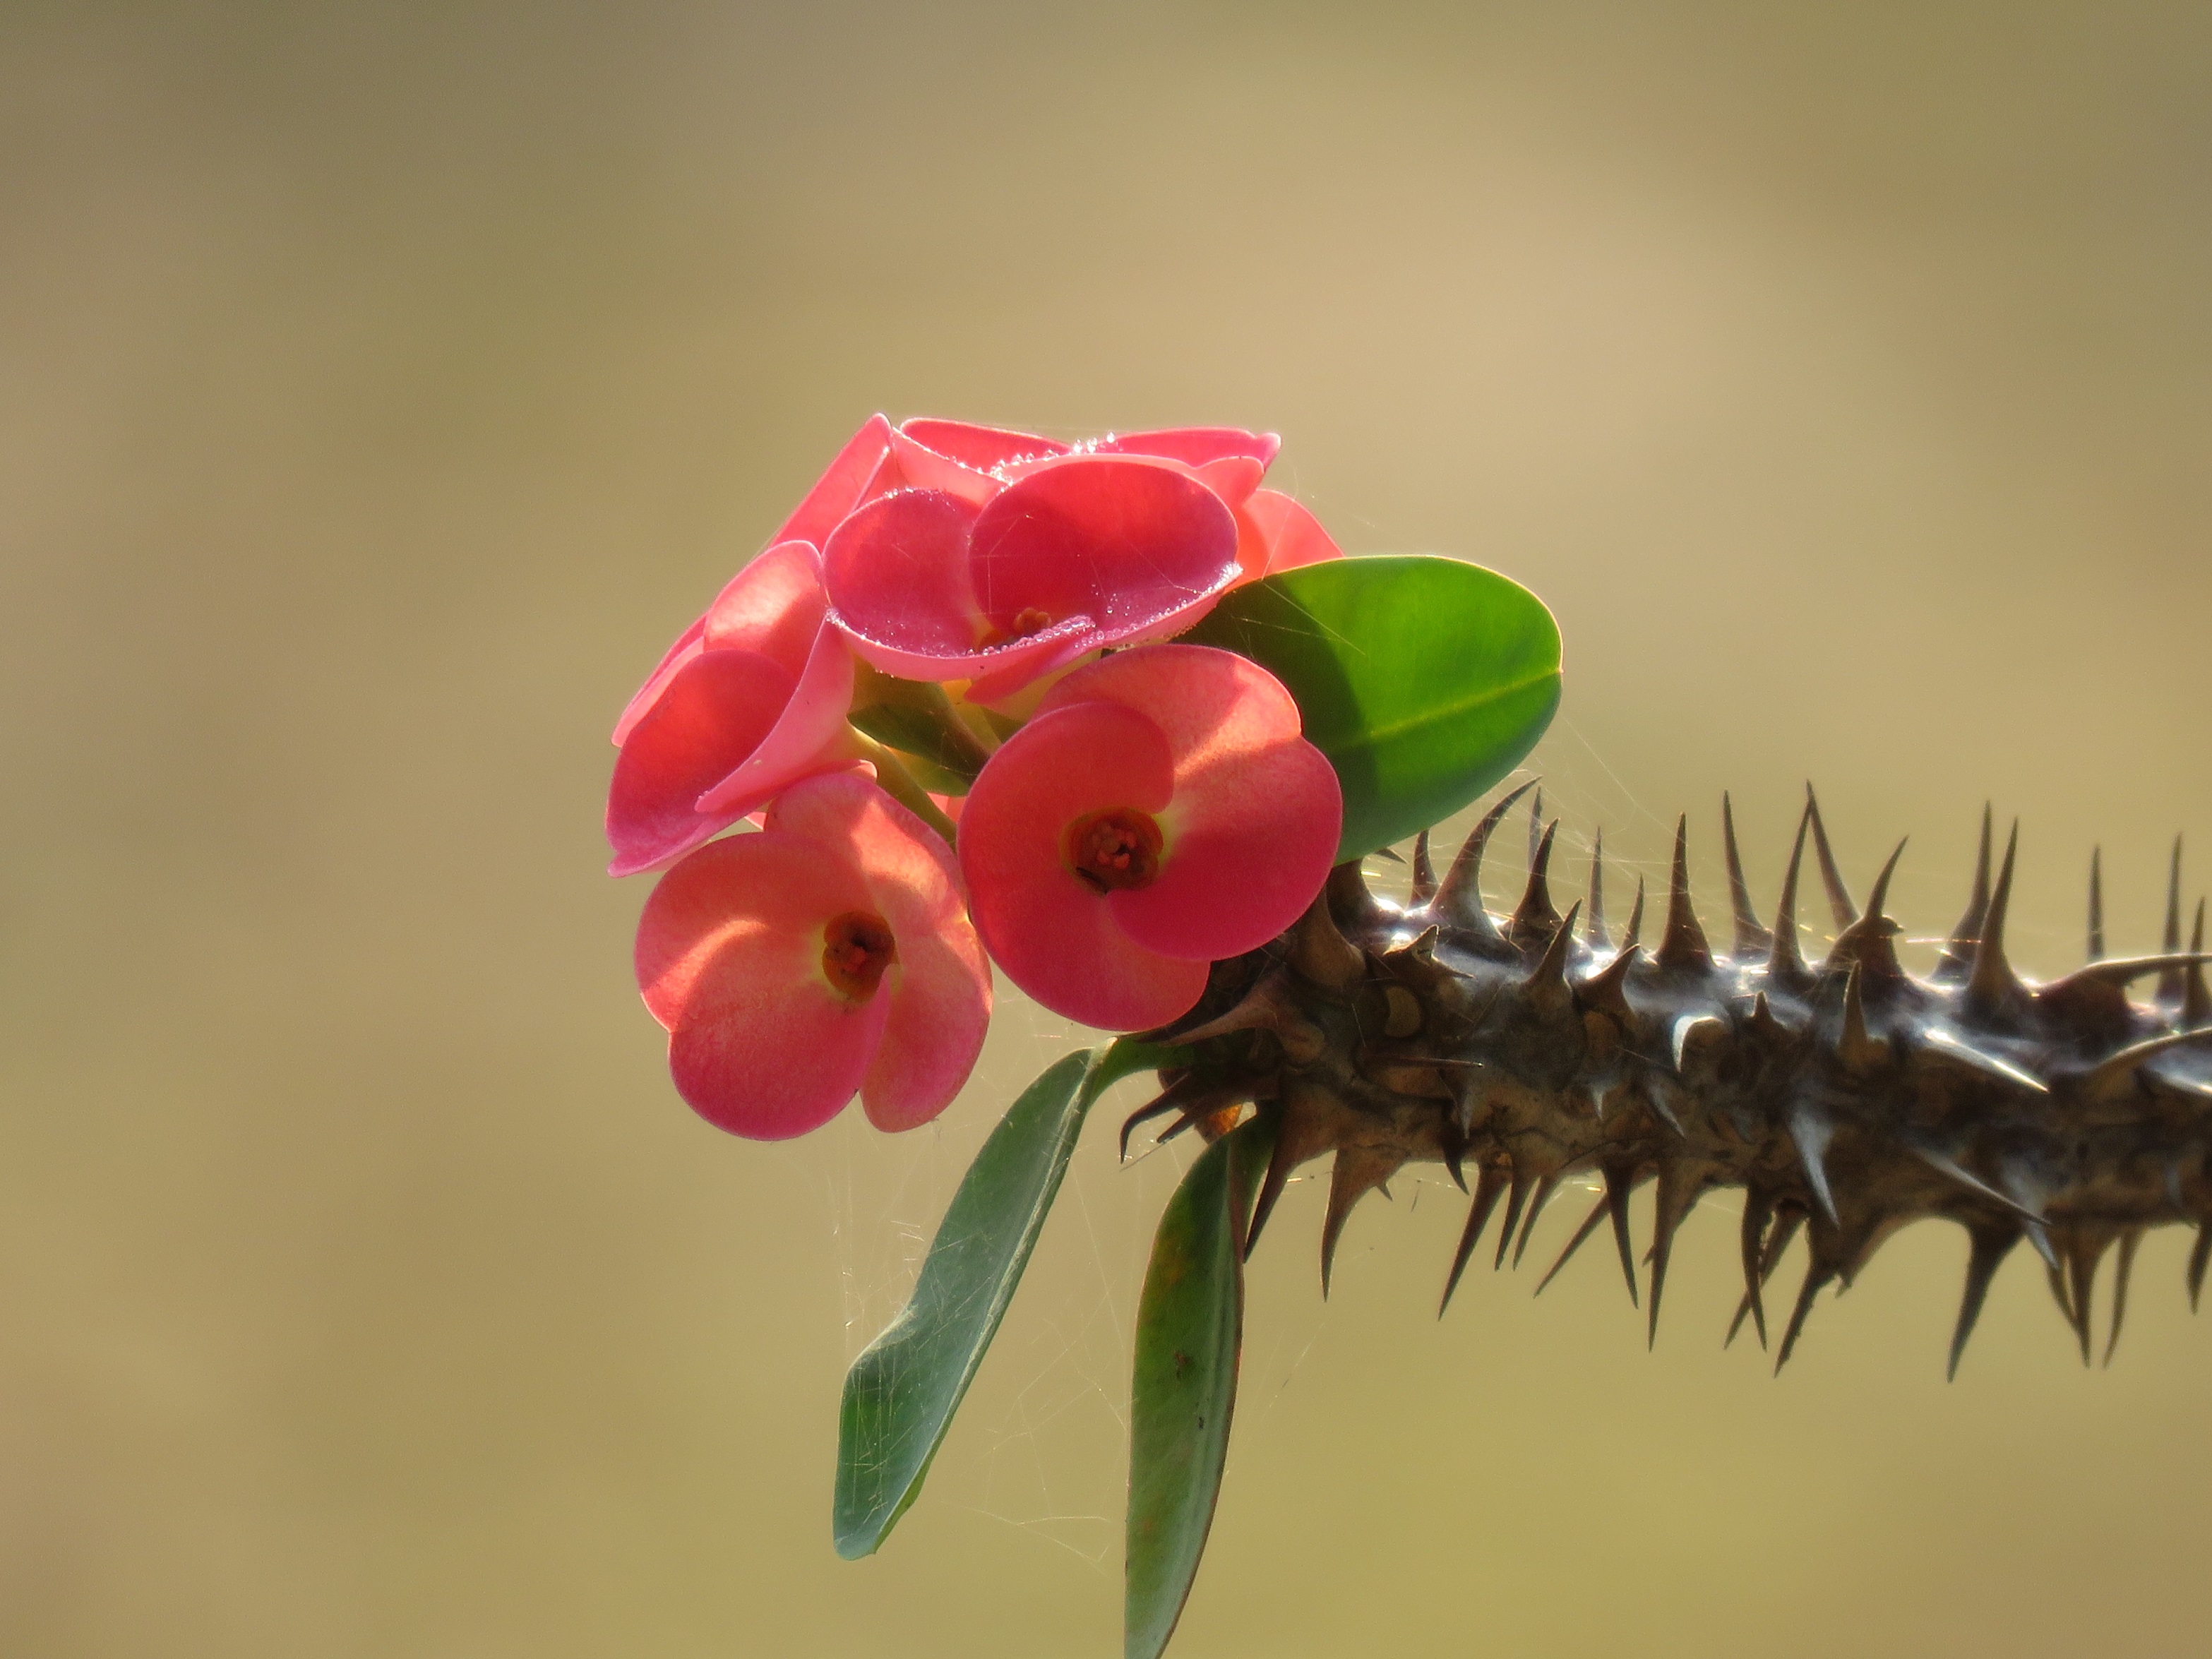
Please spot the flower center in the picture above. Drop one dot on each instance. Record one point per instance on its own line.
(856, 948)
(1114, 849)
(1027, 621)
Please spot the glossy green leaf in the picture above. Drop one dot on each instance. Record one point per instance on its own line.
(1190, 1323)
(902, 1392)
(1424, 680)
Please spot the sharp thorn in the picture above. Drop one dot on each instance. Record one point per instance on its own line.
(1488, 1185)
(1684, 944)
(1988, 1246)
(1869, 940)
(1839, 897)
(2096, 903)
(1635, 917)
(1951, 1169)
(1941, 1041)
(1280, 1163)
(2196, 999)
(2170, 992)
(1459, 897)
(1533, 919)
(1749, 935)
(1677, 1195)
(1880, 896)
(1321, 955)
(1517, 1200)
(1778, 1242)
(2040, 1237)
(1619, 1182)
(2108, 1076)
(2082, 1254)
(1957, 958)
(1603, 990)
(1816, 1280)
(1992, 988)
(1756, 1214)
(1424, 873)
(2122, 1270)
(1168, 1100)
(1595, 934)
(1354, 1174)
(1860, 1053)
(1547, 985)
(1786, 965)
(1811, 1134)
(2118, 971)
(1742, 1313)
(2057, 1277)
(1545, 1188)
(1590, 1224)
(1351, 898)
(1455, 1154)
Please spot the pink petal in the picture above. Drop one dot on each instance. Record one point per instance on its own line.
(1257, 810)
(711, 715)
(985, 448)
(728, 958)
(1193, 445)
(772, 607)
(837, 492)
(1124, 541)
(939, 988)
(1294, 536)
(1233, 478)
(1249, 845)
(897, 576)
(1055, 937)
(688, 644)
(1009, 668)
(1207, 704)
(923, 468)
(808, 735)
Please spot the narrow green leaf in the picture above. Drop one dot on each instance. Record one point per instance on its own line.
(1424, 680)
(902, 1392)
(1190, 1323)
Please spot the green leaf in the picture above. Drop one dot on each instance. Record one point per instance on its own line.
(1424, 680)
(919, 720)
(1190, 1325)
(902, 1392)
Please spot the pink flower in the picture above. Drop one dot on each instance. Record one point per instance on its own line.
(1159, 812)
(829, 953)
(1125, 539)
(751, 696)
(753, 700)
(835, 493)
(997, 557)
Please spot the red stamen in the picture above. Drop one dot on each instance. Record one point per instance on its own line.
(856, 948)
(1027, 621)
(1116, 849)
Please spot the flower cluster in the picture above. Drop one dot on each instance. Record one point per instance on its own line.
(958, 637)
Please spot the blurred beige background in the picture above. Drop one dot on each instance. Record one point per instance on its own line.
(381, 386)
